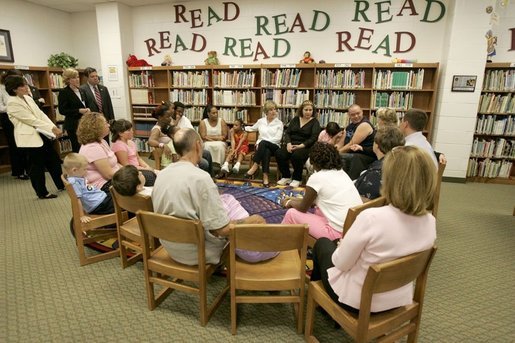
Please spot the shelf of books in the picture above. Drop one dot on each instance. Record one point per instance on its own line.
(239, 91)
(493, 148)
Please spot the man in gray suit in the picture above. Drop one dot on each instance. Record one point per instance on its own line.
(97, 96)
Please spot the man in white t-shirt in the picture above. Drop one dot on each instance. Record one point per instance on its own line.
(185, 191)
(411, 126)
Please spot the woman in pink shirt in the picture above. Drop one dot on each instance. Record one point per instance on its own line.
(403, 227)
(102, 160)
(126, 151)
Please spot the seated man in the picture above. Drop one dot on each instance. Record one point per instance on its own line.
(356, 147)
(185, 191)
(369, 182)
(411, 126)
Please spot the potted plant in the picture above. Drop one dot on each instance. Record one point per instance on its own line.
(62, 60)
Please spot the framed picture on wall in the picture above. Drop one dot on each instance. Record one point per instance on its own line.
(6, 48)
(464, 83)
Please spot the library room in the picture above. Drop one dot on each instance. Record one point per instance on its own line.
(280, 171)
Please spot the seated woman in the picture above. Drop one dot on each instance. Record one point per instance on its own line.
(403, 227)
(300, 136)
(102, 162)
(126, 150)
(330, 189)
(356, 148)
(386, 117)
(159, 140)
(213, 131)
(270, 130)
(369, 182)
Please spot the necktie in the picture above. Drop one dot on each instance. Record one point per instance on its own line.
(98, 98)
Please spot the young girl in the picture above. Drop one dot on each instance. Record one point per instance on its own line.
(239, 147)
(126, 151)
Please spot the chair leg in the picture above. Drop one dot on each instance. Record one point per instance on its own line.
(151, 301)
(310, 312)
(233, 310)
(203, 304)
(300, 315)
(123, 251)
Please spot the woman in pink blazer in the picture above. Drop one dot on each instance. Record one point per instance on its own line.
(29, 121)
(403, 227)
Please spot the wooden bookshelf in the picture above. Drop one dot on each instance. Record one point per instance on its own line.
(239, 91)
(492, 155)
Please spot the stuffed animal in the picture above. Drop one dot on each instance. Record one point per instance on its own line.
(211, 58)
(167, 60)
(403, 60)
(307, 58)
(133, 61)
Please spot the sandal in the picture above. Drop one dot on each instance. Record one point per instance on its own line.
(48, 196)
(249, 177)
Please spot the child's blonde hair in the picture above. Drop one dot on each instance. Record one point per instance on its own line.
(74, 160)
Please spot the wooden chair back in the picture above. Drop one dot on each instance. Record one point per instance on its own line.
(157, 153)
(129, 232)
(441, 169)
(388, 325)
(283, 272)
(161, 269)
(86, 233)
(353, 212)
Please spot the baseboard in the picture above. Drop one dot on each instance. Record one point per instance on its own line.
(454, 179)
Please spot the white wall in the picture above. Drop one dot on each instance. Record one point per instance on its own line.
(85, 40)
(148, 21)
(36, 31)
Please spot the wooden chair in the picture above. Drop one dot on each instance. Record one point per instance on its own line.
(284, 272)
(94, 231)
(160, 269)
(441, 169)
(387, 326)
(129, 232)
(156, 154)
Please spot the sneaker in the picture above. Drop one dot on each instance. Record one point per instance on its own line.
(225, 168)
(284, 181)
(295, 183)
(236, 168)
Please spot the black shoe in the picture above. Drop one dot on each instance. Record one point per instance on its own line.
(266, 185)
(48, 196)
(23, 177)
(247, 176)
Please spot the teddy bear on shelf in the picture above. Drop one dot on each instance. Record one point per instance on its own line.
(307, 58)
(133, 61)
(167, 61)
(211, 58)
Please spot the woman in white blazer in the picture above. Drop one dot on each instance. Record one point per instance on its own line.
(403, 227)
(28, 119)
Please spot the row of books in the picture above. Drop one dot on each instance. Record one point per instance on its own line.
(145, 79)
(327, 116)
(495, 125)
(500, 148)
(499, 80)
(348, 78)
(142, 145)
(237, 78)
(189, 97)
(234, 98)
(281, 78)
(231, 114)
(30, 80)
(389, 79)
(56, 80)
(289, 97)
(492, 103)
(489, 168)
(334, 99)
(142, 129)
(195, 79)
(65, 145)
(398, 100)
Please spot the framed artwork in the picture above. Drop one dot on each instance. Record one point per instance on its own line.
(464, 83)
(6, 47)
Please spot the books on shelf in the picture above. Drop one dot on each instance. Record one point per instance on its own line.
(143, 128)
(498, 148)
(194, 114)
(495, 125)
(233, 98)
(65, 145)
(496, 103)
(142, 112)
(193, 79)
(334, 99)
(327, 116)
(280, 77)
(397, 100)
(236, 78)
(189, 97)
(348, 78)
(499, 80)
(56, 80)
(489, 168)
(285, 114)
(144, 79)
(288, 97)
(398, 79)
(231, 114)
(142, 145)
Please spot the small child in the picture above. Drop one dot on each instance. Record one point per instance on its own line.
(92, 200)
(239, 147)
(332, 133)
(128, 181)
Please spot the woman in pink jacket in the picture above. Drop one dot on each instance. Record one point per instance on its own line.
(403, 227)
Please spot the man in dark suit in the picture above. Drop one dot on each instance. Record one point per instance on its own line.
(97, 97)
